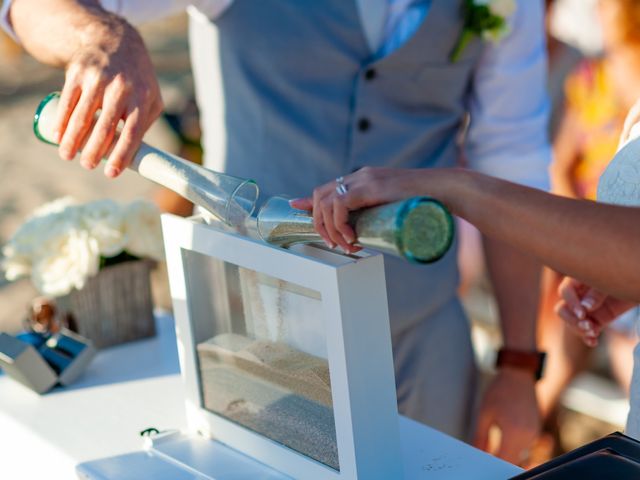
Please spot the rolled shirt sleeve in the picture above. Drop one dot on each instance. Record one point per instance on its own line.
(140, 11)
(4, 19)
(509, 105)
(137, 11)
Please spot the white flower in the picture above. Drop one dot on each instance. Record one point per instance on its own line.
(499, 8)
(14, 265)
(104, 219)
(55, 206)
(30, 240)
(143, 230)
(70, 260)
(61, 244)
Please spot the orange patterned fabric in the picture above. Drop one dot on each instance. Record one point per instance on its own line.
(592, 98)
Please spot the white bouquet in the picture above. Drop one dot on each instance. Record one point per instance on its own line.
(63, 244)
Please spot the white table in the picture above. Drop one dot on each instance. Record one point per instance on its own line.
(125, 389)
(135, 386)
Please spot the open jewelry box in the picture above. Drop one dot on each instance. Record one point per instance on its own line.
(287, 368)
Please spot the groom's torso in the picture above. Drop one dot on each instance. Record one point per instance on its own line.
(292, 96)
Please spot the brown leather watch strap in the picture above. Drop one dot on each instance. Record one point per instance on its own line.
(530, 361)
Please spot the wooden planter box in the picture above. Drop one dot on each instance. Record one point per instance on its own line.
(115, 306)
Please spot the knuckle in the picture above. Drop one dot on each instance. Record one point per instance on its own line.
(73, 74)
(95, 80)
(127, 139)
(147, 95)
(122, 83)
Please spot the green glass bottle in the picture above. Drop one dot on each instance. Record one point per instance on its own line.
(419, 229)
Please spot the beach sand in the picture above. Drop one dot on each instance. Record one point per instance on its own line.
(272, 389)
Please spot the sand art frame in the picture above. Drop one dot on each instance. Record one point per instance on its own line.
(358, 346)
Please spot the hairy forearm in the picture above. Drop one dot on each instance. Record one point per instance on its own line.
(593, 242)
(54, 30)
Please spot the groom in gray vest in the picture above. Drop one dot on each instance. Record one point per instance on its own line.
(294, 93)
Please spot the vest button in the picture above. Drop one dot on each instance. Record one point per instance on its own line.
(364, 124)
(370, 74)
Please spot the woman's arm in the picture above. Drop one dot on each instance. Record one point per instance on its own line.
(595, 243)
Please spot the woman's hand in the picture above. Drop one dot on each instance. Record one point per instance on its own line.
(588, 311)
(367, 187)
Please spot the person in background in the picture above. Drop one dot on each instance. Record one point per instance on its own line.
(599, 92)
(563, 58)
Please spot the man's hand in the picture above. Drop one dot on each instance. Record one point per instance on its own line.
(509, 405)
(113, 74)
(588, 311)
(510, 402)
(108, 69)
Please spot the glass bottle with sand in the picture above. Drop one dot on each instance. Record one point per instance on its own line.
(419, 229)
(230, 199)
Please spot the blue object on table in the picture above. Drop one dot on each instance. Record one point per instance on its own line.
(66, 344)
(33, 338)
(39, 361)
(56, 359)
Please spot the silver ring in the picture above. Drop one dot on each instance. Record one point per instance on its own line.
(341, 188)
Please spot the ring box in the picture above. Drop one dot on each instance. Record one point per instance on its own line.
(60, 360)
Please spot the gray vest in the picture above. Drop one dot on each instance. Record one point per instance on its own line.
(291, 96)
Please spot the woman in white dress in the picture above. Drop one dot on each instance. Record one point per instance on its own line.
(595, 244)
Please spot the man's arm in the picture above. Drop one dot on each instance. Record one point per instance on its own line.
(107, 68)
(508, 139)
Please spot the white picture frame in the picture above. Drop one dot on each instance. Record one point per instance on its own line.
(355, 313)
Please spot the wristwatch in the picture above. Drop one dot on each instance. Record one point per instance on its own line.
(524, 360)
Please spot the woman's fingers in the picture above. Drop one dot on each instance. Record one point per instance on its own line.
(579, 308)
(302, 203)
(593, 300)
(569, 292)
(366, 187)
(341, 221)
(335, 236)
(318, 221)
(587, 329)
